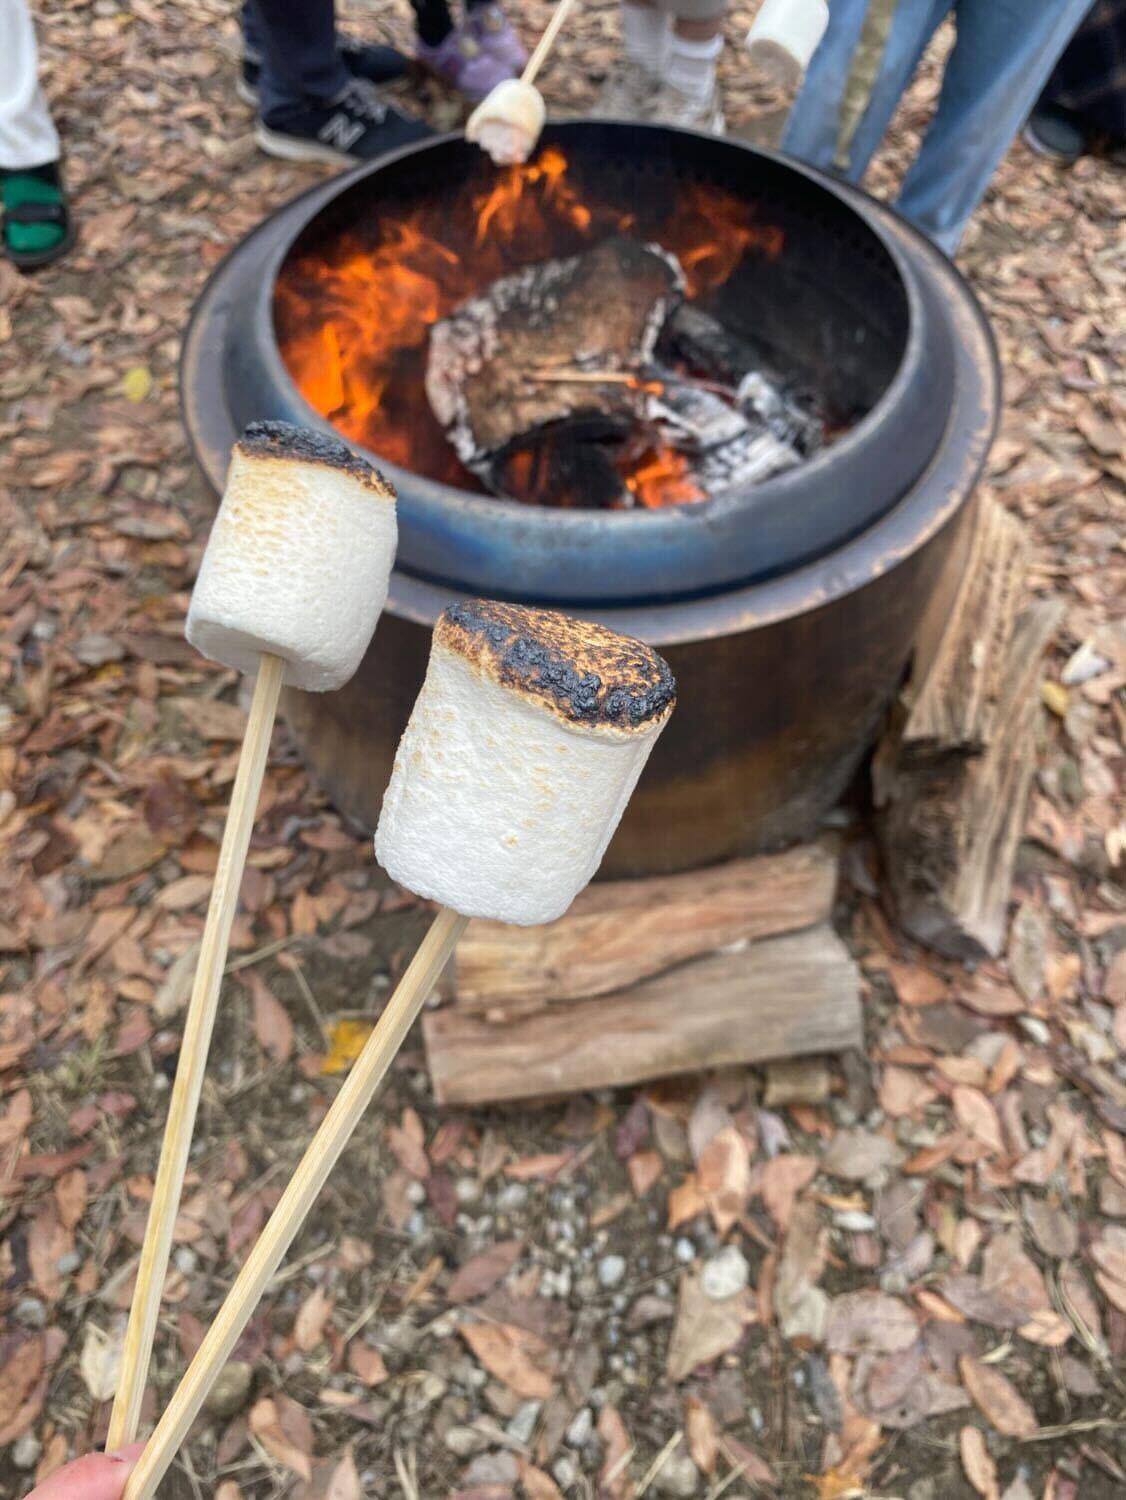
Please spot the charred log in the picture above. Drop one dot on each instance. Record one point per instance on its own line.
(600, 310)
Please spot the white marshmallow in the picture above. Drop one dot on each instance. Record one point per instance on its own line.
(508, 121)
(521, 753)
(299, 558)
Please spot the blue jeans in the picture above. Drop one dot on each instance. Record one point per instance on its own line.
(1004, 53)
(295, 41)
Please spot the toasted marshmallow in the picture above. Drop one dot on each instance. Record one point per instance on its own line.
(299, 558)
(521, 753)
(508, 121)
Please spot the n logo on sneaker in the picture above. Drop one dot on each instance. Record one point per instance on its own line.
(341, 131)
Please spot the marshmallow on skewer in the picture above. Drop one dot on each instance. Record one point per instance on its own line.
(521, 753)
(508, 121)
(517, 763)
(299, 558)
(290, 589)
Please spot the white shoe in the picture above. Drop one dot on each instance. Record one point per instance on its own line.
(668, 105)
(626, 93)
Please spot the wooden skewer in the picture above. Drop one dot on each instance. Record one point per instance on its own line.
(546, 42)
(200, 1023)
(293, 1206)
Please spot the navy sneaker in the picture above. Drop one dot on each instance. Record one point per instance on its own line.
(370, 60)
(356, 126)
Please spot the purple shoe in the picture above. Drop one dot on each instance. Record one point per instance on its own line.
(463, 63)
(494, 31)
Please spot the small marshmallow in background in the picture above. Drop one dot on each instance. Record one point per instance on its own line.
(508, 122)
(299, 558)
(521, 753)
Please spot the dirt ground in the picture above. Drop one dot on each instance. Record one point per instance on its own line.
(913, 1285)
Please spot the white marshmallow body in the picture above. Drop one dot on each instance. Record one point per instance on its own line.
(498, 807)
(508, 122)
(297, 564)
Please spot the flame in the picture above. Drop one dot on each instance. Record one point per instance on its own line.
(661, 478)
(353, 314)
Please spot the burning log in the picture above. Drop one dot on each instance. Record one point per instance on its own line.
(557, 386)
(602, 310)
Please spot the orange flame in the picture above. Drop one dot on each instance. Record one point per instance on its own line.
(353, 315)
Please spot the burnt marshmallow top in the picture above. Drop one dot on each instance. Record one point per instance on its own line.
(583, 672)
(285, 440)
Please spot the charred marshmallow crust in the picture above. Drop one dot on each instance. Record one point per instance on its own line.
(284, 440)
(580, 671)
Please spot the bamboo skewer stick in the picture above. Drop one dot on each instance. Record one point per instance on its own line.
(546, 42)
(293, 1206)
(200, 1023)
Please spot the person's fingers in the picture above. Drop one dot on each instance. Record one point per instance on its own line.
(98, 1476)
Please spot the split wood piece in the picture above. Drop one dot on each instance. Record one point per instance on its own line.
(953, 709)
(620, 932)
(784, 997)
(300, 1194)
(198, 1026)
(950, 831)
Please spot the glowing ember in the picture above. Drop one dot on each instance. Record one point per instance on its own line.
(662, 478)
(353, 315)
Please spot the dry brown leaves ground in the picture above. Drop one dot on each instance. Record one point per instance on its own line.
(914, 1285)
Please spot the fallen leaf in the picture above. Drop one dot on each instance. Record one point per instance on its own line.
(19, 1372)
(702, 1433)
(614, 1482)
(980, 1468)
(483, 1272)
(266, 1425)
(366, 1363)
(782, 1180)
(978, 1117)
(723, 1175)
(100, 1361)
(70, 1195)
(915, 985)
(870, 1322)
(346, 1040)
(312, 1316)
(904, 1092)
(858, 1155)
(997, 1398)
(520, 1360)
(705, 1328)
(273, 1029)
(645, 1168)
(538, 1485)
(136, 383)
(1053, 1230)
(408, 1144)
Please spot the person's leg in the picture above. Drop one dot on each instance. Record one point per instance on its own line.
(297, 43)
(688, 94)
(487, 21)
(27, 134)
(310, 106)
(631, 82)
(819, 130)
(1005, 50)
(462, 55)
(36, 221)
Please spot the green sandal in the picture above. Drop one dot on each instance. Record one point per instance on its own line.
(36, 227)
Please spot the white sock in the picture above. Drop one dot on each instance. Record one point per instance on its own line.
(645, 33)
(690, 66)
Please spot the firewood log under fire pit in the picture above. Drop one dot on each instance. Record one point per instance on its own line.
(555, 381)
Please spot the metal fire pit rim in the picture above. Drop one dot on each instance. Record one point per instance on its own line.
(953, 471)
(617, 524)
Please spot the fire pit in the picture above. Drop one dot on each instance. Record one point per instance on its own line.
(787, 595)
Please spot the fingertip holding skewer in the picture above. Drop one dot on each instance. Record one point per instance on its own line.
(292, 583)
(525, 743)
